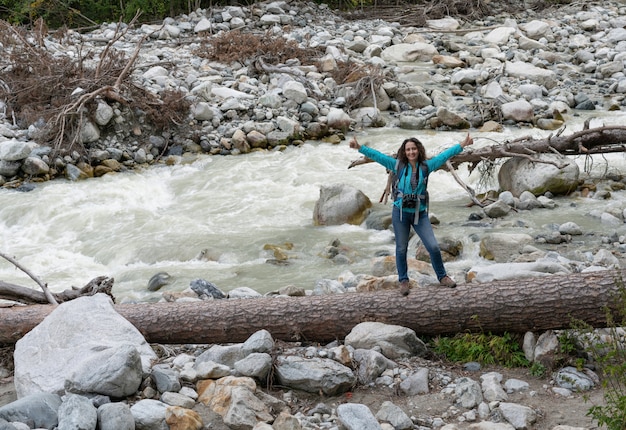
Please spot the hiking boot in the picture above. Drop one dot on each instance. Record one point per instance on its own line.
(447, 281)
(404, 288)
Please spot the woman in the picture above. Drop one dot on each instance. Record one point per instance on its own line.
(410, 205)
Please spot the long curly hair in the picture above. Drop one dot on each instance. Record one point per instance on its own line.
(421, 151)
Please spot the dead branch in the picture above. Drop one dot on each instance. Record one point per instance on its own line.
(466, 187)
(117, 36)
(297, 74)
(130, 63)
(43, 286)
(28, 296)
(600, 140)
(586, 142)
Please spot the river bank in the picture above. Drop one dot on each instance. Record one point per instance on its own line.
(381, 377)
(451, 75)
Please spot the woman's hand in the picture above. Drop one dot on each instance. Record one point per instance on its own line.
(468, 141)
(354, 144)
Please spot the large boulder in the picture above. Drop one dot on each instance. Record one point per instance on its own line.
(501, 247)
(409, 52)
(314, 375)
(341, 204)
(83, 346)
(394, 341)
(520, 174)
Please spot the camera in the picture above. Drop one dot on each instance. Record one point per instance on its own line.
(410, 201)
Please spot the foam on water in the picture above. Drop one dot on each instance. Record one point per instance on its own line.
(130, 226)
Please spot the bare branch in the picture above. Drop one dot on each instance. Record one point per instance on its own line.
(466, 187)
(43, 286)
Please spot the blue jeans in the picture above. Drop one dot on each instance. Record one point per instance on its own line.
(402, 228)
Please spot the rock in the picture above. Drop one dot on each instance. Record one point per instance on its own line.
(501, 246)
(14, 150)
(339, 204)
(314, 375)
(234, 399)
(354, 416)
(39, 409)
(519, 174)
(77, 412)
(107, 354)
(394, 341)
(115, 416)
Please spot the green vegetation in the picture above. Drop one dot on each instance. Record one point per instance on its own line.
(607, 350)
(484, 348)
(87, 13)
(582, 346)
(538, 370)
(78, 13)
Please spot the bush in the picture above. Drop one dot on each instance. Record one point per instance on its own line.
(607, 350)
(37, 87)
(484, 348)
(246, 48)
(80, 13)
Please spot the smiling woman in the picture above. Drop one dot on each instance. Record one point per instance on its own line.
(410, 201)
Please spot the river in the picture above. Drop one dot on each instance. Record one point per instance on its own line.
(132, 225)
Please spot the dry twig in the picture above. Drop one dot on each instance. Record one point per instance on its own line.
(43, 286)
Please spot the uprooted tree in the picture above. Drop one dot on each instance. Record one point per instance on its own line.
(59, 92)
(586, 142)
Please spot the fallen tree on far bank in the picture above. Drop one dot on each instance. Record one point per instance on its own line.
(536, 304)
(586, 142)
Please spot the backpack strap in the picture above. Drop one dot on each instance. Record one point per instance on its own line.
(399, 169)
(425, 173)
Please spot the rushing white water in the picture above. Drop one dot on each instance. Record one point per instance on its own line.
(132, 225)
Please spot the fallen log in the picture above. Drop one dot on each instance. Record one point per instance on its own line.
(536, 304)
(24, 295)
(600, 140)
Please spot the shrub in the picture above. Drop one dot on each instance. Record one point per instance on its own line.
(246, 48)
(607, 349)
(484, 348)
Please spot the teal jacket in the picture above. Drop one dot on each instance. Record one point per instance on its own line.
(404, 184)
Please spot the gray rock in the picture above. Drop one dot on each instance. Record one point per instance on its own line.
(35, 166)
(468, 393)
(416, 383)
(573, 379)
(497, 209)
(314, 375)
(355, 416)
(394, 415)
(520, 174)
(371, 364)
(206, 289)
(177, 399)
(520, 417)
(492, 388)
(149, 415)
(165, 378)
(115, 416)
(39, 410)
(85, 332)
(256, 365)
(222, 354)
(115, 372)
(77, 412)
(393, 341)
(15, 150)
